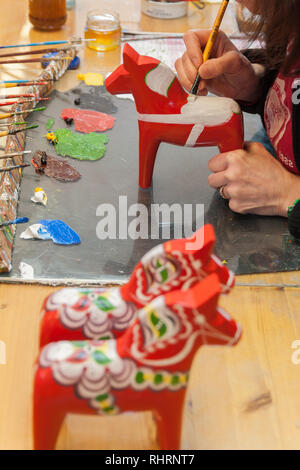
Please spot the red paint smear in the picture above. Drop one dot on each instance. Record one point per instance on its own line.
(88, 121)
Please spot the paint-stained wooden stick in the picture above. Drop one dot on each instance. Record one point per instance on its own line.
(8, 103)
(26, 111)
(36, 59)
(15, 167)
(13, 132)
(16, 154)
(37, 51)
(22, 95)
(20, 220)
(20, 123)
(26, 83)
(72, 41)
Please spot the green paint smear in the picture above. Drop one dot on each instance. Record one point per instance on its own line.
(81, 146)
(49, 124)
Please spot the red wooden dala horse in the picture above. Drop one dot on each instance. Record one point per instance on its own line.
(95, 313)
(166, 113)
(145, 369)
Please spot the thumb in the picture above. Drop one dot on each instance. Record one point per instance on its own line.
(231, 62)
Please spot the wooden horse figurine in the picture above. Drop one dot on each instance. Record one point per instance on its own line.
(146, 368)
(166, 113)
(72, 313)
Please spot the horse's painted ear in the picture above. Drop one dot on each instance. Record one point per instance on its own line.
(129, 55)
(202, 242)
(204, 295)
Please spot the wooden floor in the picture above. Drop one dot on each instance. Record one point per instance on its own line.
(247, 397)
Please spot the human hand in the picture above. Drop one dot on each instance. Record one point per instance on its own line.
(254, 181)
(228, 73)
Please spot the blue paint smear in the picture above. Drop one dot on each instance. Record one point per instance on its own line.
(59, 232)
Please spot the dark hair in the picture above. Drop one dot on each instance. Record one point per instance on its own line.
(278, 23)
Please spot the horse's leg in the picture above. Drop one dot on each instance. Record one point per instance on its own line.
(148, 148)
(48, 414)
(233, 136)
(169, 421)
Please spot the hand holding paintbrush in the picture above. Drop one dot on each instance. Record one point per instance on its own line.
(210, 42)
(227, 72)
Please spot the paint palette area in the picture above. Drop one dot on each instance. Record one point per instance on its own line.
(97, 196)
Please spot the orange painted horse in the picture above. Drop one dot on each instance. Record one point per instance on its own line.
(166, 113)
(95, 313)
(146, 368)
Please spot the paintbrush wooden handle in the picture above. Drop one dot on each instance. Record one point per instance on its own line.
(215, 30)
(4, 133)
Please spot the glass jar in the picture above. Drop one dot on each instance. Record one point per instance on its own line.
(47, 14)
(103, 26)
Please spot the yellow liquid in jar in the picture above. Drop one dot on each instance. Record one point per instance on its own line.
(106, 29)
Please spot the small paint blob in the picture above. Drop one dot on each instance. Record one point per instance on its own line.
(26, 270)
(39, 197)
(80, 146)
(56, 168)
(51, 137)
(77, 101)
(49, 124)
(91, 78)
(87, 120)
(56, 230)
(75, 64)
(68, 121)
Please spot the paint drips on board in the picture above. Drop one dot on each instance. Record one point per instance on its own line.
(80, 146)
(39, 197)
(49, 124)
(90, 97)
(56, 230)
(87, 120)
(55, 167)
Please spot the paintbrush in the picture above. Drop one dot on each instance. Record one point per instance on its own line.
(44, 80)
(36, 59)
(37, 51)
(26, 83)
(8, 103)
(16, 154)
(23, 95)
(15, 167)
(20, 220)
(26, 111)
(12, 124)
(209, 45)
(72, 41)
(13, 132)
